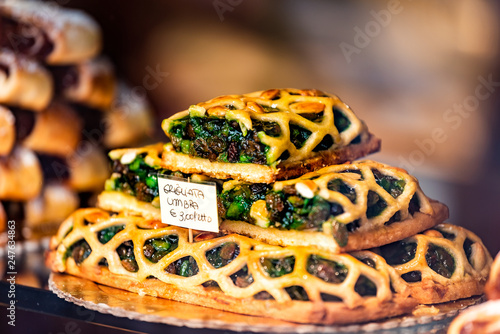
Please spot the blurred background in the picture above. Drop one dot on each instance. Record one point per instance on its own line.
(424, 75)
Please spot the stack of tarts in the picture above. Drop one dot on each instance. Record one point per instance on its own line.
(56, 94)
(306, 236)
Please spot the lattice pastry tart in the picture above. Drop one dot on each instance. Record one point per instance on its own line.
(444, 263)
(265, 136)
(239, 274)
(346, 207)
(48, 32)
(232, 273)
(133, 184)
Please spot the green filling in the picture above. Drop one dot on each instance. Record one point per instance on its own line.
(127, 257)
(271, 129)
(440, 261)
(299, 135)
(390, 184)
(137, 179)
(79, 251)
(399, 252)
(220, 139)
(278, 267)
(155, 249)
(287, 209)
(108, 233)
(294, 212)
(185, 267)
(223, 255)
(327, 270)
(365, 287)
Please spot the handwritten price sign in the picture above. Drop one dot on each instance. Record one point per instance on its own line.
(188, 204)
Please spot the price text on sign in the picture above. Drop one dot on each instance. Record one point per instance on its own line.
(188, 204)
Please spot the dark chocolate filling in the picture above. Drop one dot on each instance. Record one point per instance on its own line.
(24, 38)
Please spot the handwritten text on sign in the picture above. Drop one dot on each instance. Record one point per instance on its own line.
(188, 204)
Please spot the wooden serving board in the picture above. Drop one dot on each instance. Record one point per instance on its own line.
(122, 303)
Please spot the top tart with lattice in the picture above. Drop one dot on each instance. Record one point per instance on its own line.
(265, 136)
(340, 208)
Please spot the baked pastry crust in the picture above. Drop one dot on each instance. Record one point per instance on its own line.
(493, 284)
(85, 223)
(378, 236)
(129, 120)
(7, 131)
(20, 175)
(91, 83)
(371, 231)
(310, 110)
(471, 263)
(24, 83)
(75, 37)
(267, 174)
(57, 131)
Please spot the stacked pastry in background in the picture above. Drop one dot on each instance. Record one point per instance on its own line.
(306, 235)
(57, 96)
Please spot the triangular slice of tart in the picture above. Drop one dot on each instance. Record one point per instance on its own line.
(265, 136)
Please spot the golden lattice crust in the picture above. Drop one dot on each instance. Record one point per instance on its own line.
(292, 106)
(85, 223)
(372, 232)
(20, 175)
(75, 36)
(493, 284)
(26, 84)
(469, 275)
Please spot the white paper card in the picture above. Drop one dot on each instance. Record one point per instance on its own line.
(188, 204)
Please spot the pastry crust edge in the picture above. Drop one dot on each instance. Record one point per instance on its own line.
(293, 311)
(255, 173)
